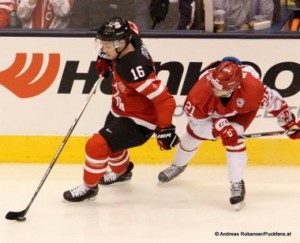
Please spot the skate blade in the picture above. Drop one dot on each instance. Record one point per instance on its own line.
(238, 206)
(85, 200)
(163, 180)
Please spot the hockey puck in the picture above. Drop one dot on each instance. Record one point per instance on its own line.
(21, 219)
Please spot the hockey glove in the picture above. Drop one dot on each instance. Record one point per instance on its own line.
(222, 128)
(287, 121)
(103, 65)
(166, 137)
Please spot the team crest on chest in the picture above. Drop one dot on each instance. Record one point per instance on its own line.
(240, 102)
(121, 87)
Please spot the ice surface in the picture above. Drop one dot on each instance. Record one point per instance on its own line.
(192, 208)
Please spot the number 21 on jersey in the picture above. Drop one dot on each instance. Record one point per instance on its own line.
(189, 108)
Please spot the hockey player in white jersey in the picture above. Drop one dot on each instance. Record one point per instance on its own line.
(222, 104)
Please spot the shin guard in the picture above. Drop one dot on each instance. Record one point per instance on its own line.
(97, 154)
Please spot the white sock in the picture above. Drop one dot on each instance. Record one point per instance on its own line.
(236, 165)
(186, 150)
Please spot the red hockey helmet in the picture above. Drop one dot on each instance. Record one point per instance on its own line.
(227, 76)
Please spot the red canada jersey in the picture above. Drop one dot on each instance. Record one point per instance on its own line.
(137, 93)
(241, 107)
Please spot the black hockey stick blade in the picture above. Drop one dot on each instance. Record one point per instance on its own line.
(16, 215)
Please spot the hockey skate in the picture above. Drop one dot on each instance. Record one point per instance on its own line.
(111, 177)
(80, 193)
(170, 173)
(238, 192)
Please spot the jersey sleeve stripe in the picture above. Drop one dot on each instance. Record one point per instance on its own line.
(145, 85)
(156, 92)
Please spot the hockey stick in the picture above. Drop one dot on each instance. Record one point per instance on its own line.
(20, 216)
(264, 134)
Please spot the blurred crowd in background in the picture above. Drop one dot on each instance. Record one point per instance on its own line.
(147, 14)
(87, 14)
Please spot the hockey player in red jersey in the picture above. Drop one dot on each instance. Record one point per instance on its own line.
(141, 106)
(222, 104)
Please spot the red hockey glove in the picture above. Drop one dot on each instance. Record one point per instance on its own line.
(287, 121)
(293, 134)
(103, 65)
(222, 128)
(166, 137)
